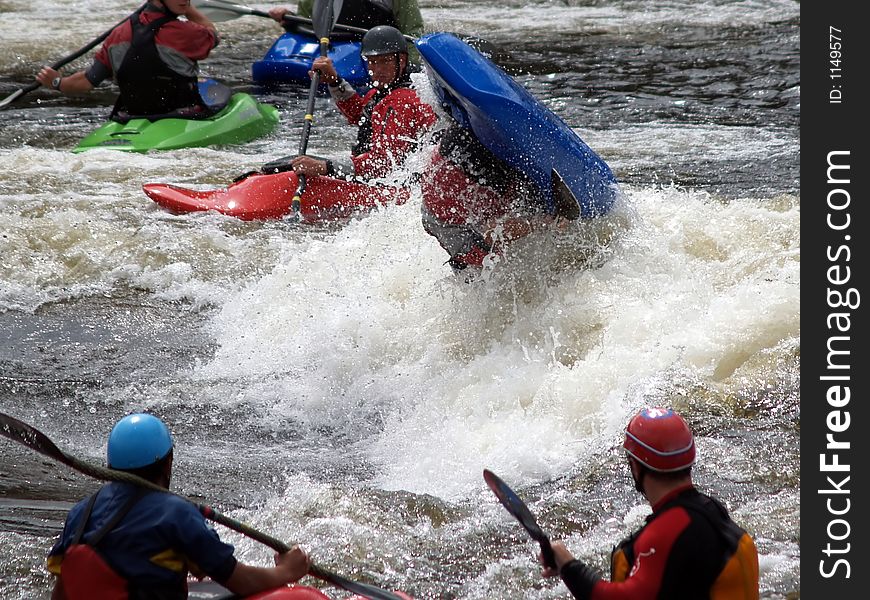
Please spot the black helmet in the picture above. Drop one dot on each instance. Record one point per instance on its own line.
(383, 39)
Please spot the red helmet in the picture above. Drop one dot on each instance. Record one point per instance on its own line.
(660, 439)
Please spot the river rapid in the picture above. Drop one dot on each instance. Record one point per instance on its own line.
(337, 386)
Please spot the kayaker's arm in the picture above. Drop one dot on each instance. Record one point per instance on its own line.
(75, 84)
(194, 15)
(289, 567)
(278, 13)
(312, 166)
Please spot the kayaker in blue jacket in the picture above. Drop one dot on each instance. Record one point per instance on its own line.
(140, 543)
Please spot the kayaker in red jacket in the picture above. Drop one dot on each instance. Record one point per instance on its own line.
(127, 541)
(152, 57)
(474, 203)
(689, 547)
(391, 116)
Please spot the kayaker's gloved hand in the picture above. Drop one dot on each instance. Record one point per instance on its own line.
(328, 74)
(310, 166)
(562, 555)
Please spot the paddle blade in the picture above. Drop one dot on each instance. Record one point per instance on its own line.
(521, 512)
(566, 203)
(219, 11)
(16, 94)
(34, 439)
(324, 14)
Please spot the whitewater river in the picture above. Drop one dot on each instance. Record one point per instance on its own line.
(338, 387)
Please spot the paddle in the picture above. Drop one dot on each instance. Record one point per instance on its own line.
(34, 439)
(521, 512)
(566, 203)
(324, 14)
(65, 60)
(224, 10)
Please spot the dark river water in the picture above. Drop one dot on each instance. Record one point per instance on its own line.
(338, 387)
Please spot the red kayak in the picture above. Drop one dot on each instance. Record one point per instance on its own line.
(268, 196)
(212, 591)
(209, 590)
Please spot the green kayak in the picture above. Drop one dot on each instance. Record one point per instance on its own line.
(237, 118)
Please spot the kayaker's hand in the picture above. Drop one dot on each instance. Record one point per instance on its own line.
(309, 166)
(562, 556)
(328, 74)
(293, 564)
(278, 13)
(46, 75)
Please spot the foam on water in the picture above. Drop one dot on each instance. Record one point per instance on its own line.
(369, 325)
(576, 16)
(358, 387)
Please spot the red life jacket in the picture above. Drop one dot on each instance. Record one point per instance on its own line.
(84, 574)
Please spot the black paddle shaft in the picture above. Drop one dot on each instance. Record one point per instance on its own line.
(34, 439)
(324, 15)
(521, 512)
(323, 18)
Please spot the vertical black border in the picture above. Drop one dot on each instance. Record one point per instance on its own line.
(827, 127)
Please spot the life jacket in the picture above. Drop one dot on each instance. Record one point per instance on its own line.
(365, 14)
(462, 148)
(731, 576)
(84, 574)
(366, 124)
(149, 87)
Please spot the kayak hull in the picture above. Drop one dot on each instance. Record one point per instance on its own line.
(514, 125)
(209, 590)
(269, 196)
(241, 120)
(290, 57)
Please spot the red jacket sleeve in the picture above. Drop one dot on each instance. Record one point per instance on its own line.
(352, 107)
(644, 582)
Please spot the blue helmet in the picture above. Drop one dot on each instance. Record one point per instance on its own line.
(137, 441)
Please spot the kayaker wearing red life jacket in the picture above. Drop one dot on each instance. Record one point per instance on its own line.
(391, 117)
(153, 59)
(689, 548)
(474, 203)
(129, 542)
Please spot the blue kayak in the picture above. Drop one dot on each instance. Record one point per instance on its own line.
(516, 127)
(290, 57)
